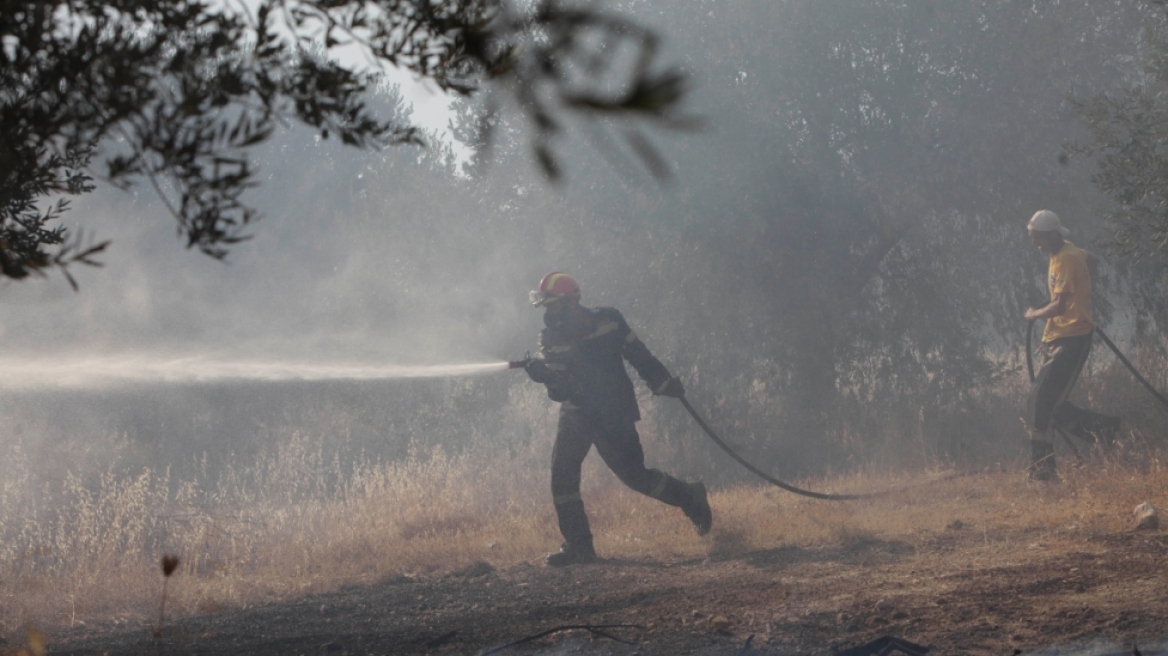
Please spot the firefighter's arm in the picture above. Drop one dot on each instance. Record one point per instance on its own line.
(1057, 307)
(648, 367)
(551, 375)
(547, 371)
(537, 370)
(1065, 277)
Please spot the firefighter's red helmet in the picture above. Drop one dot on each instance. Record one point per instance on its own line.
(555, 286)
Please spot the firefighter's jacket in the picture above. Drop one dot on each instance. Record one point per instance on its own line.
(586, 372)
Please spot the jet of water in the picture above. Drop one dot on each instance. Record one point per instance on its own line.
(95, 371)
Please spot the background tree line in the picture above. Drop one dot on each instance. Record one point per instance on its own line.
(838, 266)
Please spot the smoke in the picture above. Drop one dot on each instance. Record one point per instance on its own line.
(826, 282)
(331, 272)
(806, 289)
(363, 316)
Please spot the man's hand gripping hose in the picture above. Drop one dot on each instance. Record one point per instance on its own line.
(536, 368)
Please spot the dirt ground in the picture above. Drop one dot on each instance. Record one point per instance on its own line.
(965, 591)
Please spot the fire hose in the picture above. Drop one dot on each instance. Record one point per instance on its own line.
(1119, 354)
(1111, 345)
(843, 497)
(758, 472)
(710, 433)
(528, 360)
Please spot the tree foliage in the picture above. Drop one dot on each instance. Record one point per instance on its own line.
(885, 158)
(1129, 140)
(839, 273)
(846, 253)
(179, 92)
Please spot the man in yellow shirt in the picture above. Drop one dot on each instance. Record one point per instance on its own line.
(1067, 338)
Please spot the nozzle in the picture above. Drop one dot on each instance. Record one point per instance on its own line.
(520, 364)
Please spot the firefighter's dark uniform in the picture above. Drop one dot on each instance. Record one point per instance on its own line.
(586, 374)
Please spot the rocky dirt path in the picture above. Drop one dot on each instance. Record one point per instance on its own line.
(964, 592)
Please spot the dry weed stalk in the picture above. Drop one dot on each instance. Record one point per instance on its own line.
(169, 565)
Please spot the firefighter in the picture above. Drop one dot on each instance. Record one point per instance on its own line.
(1067, 343)
(581, 362)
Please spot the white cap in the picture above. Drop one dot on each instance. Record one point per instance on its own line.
(1047, 221)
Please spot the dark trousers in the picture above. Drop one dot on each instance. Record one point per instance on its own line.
(1064, 361)
(620, 447)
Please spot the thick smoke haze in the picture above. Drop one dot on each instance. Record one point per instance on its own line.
(837, 267)
(321, 278)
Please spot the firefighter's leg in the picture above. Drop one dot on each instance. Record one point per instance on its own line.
(1042, 462)
(573, 441)
(1072, 419)
(1087, 425)
(1044, 396)
(621, 450)
(1052, 385)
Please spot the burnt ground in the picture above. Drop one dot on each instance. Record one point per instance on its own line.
(963, 591)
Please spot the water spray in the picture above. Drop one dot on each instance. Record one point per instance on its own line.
(82, 372)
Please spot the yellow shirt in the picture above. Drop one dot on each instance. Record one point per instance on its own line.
(1069, 275)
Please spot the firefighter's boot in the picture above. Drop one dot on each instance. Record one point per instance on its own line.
(697, 508)
(572, 553)
(1042, 464)
(577, 547)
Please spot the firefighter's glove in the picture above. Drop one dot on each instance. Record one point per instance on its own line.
(538, 371)
(672, 388)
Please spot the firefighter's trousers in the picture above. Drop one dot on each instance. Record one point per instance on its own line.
(620, 447)
(1052, 385)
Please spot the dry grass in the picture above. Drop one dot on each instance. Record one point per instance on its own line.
(1000, 505)
(294, 523)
